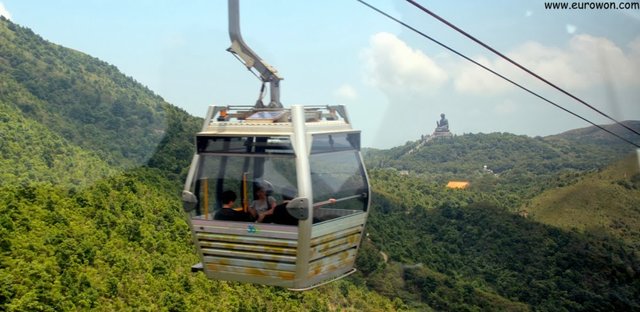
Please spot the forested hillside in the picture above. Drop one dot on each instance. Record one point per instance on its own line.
(121, 243)
(519, 167)
(86, 100)
(596, 137)
(459, 251)
(90, 219)
(604, 201)
(32, 153)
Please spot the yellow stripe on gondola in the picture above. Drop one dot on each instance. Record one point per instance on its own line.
(205, 197)
(245, 193)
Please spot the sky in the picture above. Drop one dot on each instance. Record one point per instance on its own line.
(394, 82)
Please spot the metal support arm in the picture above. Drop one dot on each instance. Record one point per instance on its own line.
(250, 59)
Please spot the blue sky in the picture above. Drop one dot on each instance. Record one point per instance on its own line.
(394, 82)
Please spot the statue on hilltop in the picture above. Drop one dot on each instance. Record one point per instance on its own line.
(443, 124)
(441, 132)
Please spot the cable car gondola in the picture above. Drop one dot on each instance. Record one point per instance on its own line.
(307, 154)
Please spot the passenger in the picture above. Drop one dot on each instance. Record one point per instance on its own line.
(280, 214)
(228, 212)
(263, 205)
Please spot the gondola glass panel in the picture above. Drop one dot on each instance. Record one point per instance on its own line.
(234, 246)
(337, 173)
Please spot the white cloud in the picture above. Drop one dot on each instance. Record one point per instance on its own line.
(571, 29)
(586, 62)
(4, 12)
(473, 79)
(395, 68)
(507, 107)
(346, 92)
(634, 46)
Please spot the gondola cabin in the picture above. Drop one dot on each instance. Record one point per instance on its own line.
(303, 164)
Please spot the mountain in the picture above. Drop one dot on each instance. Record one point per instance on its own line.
(515, 164)
(87, 101)
(465, 249)
(90, 217)
(32, 153)
(595, 136)
(453, 250)
(607, 200)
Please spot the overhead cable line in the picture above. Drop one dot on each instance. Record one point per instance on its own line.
(517, 64)
(493, 72)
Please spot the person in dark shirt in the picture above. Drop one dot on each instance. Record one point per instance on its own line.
(228, 212)
(280, 214)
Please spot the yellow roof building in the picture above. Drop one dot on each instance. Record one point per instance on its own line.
(458, 184)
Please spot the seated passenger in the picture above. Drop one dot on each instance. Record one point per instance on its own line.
(280, 214)
(263, 205)
(228, 212)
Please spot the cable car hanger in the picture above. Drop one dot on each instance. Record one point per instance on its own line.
(251, 60)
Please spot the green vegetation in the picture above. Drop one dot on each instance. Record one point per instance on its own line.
(521, 167)
(604, 201)
(458, 251)
(123, 244)
(30, 152)
(80, 227)
(87, 101)
(90, 219)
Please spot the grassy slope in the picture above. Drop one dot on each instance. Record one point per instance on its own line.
(607, 200)
(595, 136)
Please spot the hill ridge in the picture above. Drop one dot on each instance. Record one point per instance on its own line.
(607, 200)
(120, 242)
(86, 100)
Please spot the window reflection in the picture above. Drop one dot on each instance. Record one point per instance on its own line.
(247, 178)
(337, 172)
(240, 172)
